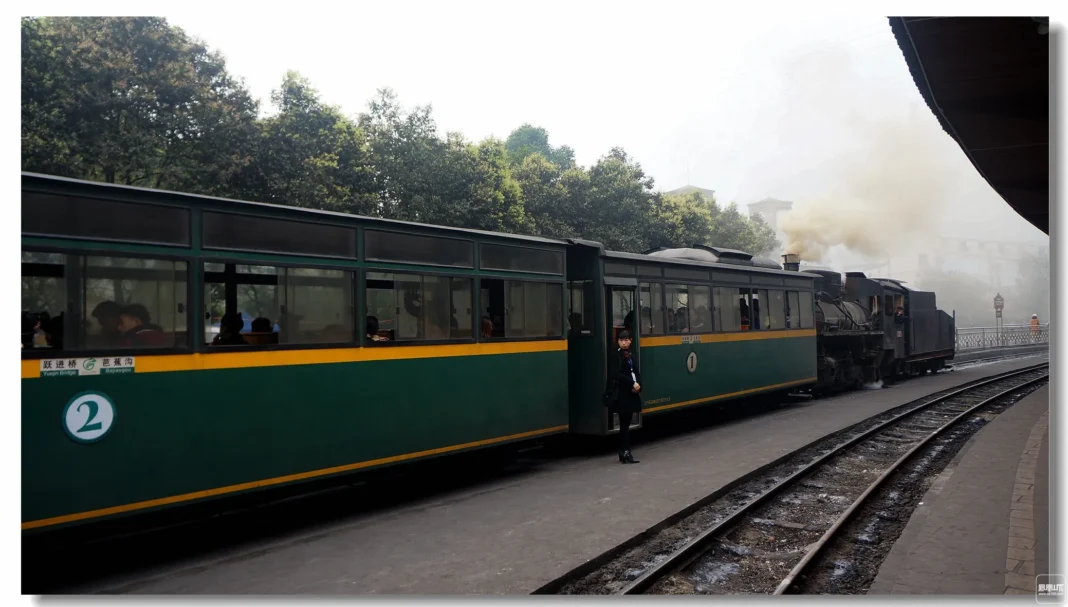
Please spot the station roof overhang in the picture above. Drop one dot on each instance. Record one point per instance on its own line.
(986, 79)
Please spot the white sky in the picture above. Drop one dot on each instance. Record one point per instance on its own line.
(684, 90)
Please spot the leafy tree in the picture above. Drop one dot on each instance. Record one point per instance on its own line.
(407, 156)
(133, 101)
(694, 219)
(737, 231)
(527, 140)
(137, 101)
(618, 209)
(762, 237)
(682, 221)
(310, 155)
(552, 197)
(495, 200)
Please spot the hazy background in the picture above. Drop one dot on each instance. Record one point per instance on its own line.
(819, 111)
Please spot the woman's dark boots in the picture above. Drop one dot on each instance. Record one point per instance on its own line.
(625, 457)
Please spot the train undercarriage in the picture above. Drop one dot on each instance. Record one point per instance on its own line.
(852, 360)
(848, 359)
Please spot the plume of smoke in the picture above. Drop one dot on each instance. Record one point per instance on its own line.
(885, 191)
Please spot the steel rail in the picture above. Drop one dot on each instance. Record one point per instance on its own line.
(828, 535)
(693, 549)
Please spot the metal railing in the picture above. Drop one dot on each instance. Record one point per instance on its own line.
(985, 338)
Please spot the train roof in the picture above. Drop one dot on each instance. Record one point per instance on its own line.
(702, 261)
(720, 258)
(899, 284)
(143, 195)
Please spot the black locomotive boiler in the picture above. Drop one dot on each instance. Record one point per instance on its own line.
(868, 329)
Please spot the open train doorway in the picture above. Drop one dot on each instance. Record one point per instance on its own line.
(622, 315)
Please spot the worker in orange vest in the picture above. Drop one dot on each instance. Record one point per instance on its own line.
(1034, 327)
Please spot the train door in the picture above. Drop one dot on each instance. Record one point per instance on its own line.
(621, 314)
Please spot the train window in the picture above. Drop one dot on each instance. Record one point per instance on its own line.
(413, 307)
(888, 305)
(249, 292)
(492, 301)
(730, 277)
(408, 298)
(318, 306)
(462, 305)
(413, 248)
(438, 318)
(701, 304)
(805, 310)
(745, 309)
(581, 308)
(776, 309)
(50, 215)
(676, 302)
(623, 309)
(685, 273)
(759, 318)
(619, 269)
(554, 308)
(717, 304)
(534, 304)
(651, 304)
(254, 305)
(231, 231)
(793, 310)
(727, 303)
(381, 300)
(44, 298)
(522, 308)
(133, 302)
(522, 259)
(516, 310)
(121, 302)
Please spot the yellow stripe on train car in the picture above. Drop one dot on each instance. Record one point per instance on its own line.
(201, 361)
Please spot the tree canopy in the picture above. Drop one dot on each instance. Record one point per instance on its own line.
(139, 102)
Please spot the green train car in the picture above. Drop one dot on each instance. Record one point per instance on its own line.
(180, 348)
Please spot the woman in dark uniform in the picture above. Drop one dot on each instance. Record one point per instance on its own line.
(627, 379)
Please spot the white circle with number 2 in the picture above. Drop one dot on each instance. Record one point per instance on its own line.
(89, 417)
(691, 362)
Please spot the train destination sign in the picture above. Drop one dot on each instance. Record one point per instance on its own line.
(104, 365)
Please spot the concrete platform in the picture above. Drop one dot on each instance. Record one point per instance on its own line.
(976, 530)
(512, 536)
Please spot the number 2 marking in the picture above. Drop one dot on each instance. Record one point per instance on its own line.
(99, 412)
(93, 409)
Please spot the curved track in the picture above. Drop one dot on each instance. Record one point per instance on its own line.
(751, 543)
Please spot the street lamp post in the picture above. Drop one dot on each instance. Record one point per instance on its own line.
(999, 305)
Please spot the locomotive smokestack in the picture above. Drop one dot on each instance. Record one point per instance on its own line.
(791, 262)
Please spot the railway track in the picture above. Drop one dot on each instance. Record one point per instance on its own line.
(766, 535)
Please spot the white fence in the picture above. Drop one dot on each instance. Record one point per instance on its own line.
(985, 338)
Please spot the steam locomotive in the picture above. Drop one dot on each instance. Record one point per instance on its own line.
(868, 329)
